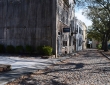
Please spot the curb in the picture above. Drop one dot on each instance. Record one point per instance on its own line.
(105, 55)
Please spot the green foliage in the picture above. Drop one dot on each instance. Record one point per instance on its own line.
(93, 33)
(44, 50)
(19, 49)
(10, 49)
(98, 12)
(99, 46)
(28, 49)
(47, 50)
(40, 50)
(2, 48)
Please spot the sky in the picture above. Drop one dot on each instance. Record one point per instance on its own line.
(83, 18)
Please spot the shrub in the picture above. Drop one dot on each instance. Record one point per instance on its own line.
(19, 49)
(99, 46)
(40, 50)
(47, 50)
(10, 49)
(2, 48)
(28, 49)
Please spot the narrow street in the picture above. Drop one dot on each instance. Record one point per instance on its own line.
(89, 68)
(22, 66)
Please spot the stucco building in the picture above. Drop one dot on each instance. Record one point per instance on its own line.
(79, 34)
(84, 34)
(35, 23)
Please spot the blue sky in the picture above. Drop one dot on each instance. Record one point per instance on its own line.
(81, 17)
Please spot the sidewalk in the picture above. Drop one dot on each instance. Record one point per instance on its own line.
(23, 66)
(89, 68)
(106, 54)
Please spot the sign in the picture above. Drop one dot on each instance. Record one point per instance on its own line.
(66, 29)
(90, 42)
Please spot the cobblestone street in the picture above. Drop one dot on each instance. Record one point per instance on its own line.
(89, 68)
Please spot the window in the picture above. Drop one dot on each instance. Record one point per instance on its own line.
(63, 19)
(80, 31)
(60, 10)
(59, 33)
(77, 29)
(65, 37)
(59, 16)
(72, 25)
(63, 16)
(60, 13)
(66, 16)
(80, 41)
(74, 41)
(64, 43)
(69, 40)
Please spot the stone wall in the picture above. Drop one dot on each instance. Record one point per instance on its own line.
(28, 22)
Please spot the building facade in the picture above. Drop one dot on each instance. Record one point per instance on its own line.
(72, 27)
(84, 33)
(35, 23)
(64, 17)
(79, 35)
(94, 44)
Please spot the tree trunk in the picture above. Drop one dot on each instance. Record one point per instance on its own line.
(105, 44)
(102, 45)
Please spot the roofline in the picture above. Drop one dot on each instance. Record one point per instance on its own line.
(74, 1)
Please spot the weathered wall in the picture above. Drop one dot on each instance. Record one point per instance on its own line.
(62, 22)
(28, 22)
(84, 46)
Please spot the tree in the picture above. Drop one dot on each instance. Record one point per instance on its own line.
(99, 13)
(100, 21)
(93, 33)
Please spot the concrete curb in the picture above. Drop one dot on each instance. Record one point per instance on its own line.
(105, 55)
(53, 62)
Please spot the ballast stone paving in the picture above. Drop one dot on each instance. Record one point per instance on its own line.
(89, 68)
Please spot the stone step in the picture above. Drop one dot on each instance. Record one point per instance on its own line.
(4, 67)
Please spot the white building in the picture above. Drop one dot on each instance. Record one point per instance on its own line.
(72, 16)
(65, 14)
(79, 34)
(84, 44)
